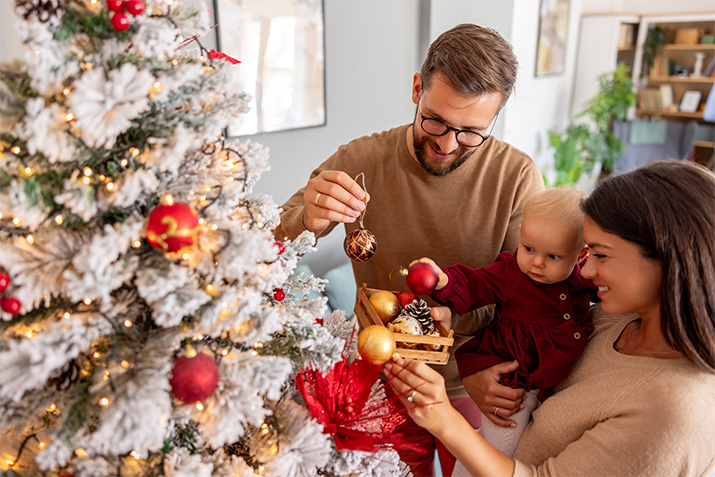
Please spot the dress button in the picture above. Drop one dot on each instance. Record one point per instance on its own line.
(577, 335)
(562, 296)
(567, 316)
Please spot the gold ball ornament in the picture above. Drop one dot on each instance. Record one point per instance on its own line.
(409, 326)
(360, 245)
(376, 344)
(386, 305)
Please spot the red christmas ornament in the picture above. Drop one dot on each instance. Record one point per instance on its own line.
(194, 379)
(135, 7)
(281, 247)
(360, 245)
(11, 305)
(172, 227)
(421, 278)
(115, 5)
(405, 298)
(278, 294)
(119, 21)
(4, 281)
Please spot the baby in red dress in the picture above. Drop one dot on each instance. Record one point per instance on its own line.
(542, 305)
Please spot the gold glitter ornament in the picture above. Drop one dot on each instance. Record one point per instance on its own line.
(386, 305)
(376, 344)
(409, 326)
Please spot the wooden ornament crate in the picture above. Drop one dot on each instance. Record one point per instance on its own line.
(368, 316)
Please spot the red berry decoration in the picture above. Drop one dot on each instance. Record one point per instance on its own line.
(4, 281)
(115, 5)
(119, 21)
(194, 379)
(421, 278)
(171, 227)
(278, 294)
(11, 305)
(135, 7)
(281, 247)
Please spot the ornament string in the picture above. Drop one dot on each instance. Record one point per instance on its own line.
(364, 187)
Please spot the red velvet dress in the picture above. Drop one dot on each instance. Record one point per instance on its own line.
(544, 327)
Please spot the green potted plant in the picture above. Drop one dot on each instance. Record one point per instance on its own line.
(589, 141)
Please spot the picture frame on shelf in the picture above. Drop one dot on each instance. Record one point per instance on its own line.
(552, 37)
(690, 101)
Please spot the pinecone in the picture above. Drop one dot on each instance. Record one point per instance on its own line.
(44, 10)
(419, 310)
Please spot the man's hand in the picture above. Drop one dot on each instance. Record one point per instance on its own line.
(488, 394)
(332, 196)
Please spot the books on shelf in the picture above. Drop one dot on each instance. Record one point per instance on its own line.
(710, 69)
(626, 37)
(666, 96)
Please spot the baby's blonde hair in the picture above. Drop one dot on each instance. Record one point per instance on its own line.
(559, 203)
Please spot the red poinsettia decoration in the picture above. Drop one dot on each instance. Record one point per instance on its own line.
(217, 55)
(351, 404)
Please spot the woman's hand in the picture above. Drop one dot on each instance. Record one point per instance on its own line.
(484, 389)
(332, 196)
(421, 390)
(442, 278)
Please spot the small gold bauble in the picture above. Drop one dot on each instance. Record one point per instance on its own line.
(386, 305)
(407, 325)
(376, 344)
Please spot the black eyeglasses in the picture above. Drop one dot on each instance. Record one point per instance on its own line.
(466, 138)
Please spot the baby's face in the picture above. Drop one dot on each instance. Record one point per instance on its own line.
(548, 249)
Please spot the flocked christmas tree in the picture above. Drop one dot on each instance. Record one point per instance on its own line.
(150, 324)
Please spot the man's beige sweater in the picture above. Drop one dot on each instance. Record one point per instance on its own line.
(623, 415)
(467, 217)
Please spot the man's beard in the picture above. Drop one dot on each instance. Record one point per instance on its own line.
(437, 168)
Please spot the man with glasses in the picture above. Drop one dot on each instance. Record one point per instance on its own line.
(438, 187)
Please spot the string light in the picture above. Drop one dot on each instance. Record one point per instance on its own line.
(66, 91)
(110, 185)
(87, 171)
(52, 408)
(174, 62)
(104, 401)
(199, 406)
(134, 151)
(81, 453)
(28, 170)
(214, 227)
(124, 162)
(157, 86)
(96, 355)
(128, 323)
(87, 301)
(59, 219)
(69, 117)
(86, 181)
(124, 364)
(224, 352)
(201, 221)
(186, 256)
(29, 335)
(16, 221)
(41, 445)
(137, 243)
(135, 454)
(30, 239)
(16, 150)
(67, 315)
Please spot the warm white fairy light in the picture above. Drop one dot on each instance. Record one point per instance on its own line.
(52, 408)
(203, 198)
(201, 221)
(135, 454)
(124, 363)
(28, 170)
(254, 352)
(214, 227)
(41, 445)
(16, 150)
(16, 221)
(134, 151)
(128, 323)
(224, 352)
(124, 162)
(30, 239)
(96, 355)
(87, 171)
(59, 219)
(81, 453)
(102, 177)
(86, 180)
(258, 344)
(245, 226)
(186, 256)
(104, 401)
(67, 315)
(157, 86)
(137, 243)
(66, 91)
(69, 116)
(87, 301)
(110, 186)
(174, 62)
(199, 406)
(230, 179)
(29, 335)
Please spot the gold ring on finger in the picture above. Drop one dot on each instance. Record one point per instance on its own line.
(317, 197)
(496, 411)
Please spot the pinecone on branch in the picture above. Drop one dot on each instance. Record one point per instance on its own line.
(419, 310)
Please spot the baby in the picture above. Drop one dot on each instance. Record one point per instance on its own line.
(541, 300)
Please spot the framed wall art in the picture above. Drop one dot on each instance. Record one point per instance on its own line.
(281, 46)
(551, 45)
